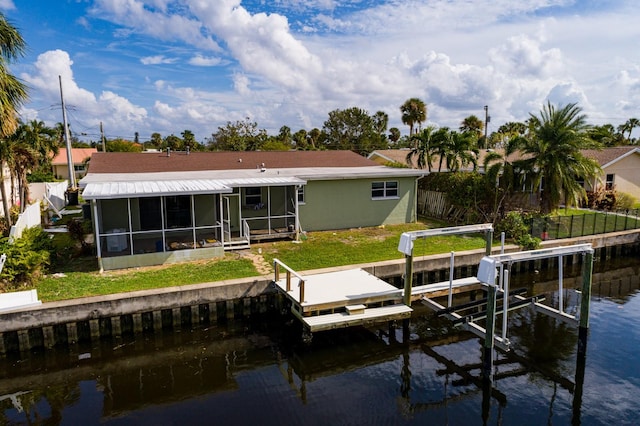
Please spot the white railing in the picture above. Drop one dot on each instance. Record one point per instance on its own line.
(276, 268)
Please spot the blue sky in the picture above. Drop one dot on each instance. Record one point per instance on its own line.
(166, 66)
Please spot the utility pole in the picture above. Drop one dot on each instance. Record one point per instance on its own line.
(104, 145)
(67, 139)
(487, 119)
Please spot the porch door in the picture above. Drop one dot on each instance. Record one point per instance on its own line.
(231, 216)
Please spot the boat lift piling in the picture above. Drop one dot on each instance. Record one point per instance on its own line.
(487, 275)
(493, 276)
(406, 246)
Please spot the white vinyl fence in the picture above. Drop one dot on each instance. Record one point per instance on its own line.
(51, 193)
(30, 218)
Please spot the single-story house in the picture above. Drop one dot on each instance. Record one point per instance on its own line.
(153, 208)
(79, 157)
(620, 166)
(620, 169)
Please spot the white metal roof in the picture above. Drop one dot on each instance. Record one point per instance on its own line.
(149, 188)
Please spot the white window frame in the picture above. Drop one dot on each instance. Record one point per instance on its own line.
(387, 190)
(250, 198)
(609, 183)
(300, 194)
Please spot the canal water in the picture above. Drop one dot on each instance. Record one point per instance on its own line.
(257, 372)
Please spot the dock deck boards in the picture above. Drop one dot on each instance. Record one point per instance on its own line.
(335, 291)
(340, 288)
(370, 315)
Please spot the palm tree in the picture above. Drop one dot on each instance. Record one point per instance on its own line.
(500, 171)
(553, 147)
(462, 151)
(472, 124)
(442, 145)
(380, 122)
(414, 111)
(13, 93)
(628, 126)
(607, 135)
(36, 135)
(394, 135)
(423, 148)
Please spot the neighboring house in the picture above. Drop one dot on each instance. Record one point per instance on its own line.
(79, 157)
(392, 156)
(620, 166)
(620, 169)
(152, 208)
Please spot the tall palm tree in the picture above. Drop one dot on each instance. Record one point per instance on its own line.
(423, 148)
(474, 125)
(13, 93)
(24, 159)
(553, 145)
(628, 126)
(442, 145)
(499, 170)
(462, 151)
(36, 135)
(414, 111)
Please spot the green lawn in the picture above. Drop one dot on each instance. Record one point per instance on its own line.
(316, 250)
(80, 284)
(575, 223)
(326, 249)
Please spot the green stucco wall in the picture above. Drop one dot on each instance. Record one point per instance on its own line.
(339, 204)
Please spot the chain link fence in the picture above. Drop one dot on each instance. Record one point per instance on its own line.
(551, 228)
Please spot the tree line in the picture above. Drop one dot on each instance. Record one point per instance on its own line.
(26, 148)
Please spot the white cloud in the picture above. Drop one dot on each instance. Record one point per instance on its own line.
(51, 67)
(203, 61)
(156, 23)
(241, 84)
(261, 43)
(157, 59)
(521, 55)
(456, 55)
(7, 5)
(115, 111)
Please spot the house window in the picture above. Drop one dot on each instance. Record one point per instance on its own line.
(609, 181)
(252, 197)
(387, 189)
(580, 181)
(300, 191)
(78, 168)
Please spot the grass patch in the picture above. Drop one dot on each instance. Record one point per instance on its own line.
(347, 247)
(317, 250)
(82, 284)
(577, 223)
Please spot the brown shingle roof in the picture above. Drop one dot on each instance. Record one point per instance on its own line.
(607, 155)
(133, 162)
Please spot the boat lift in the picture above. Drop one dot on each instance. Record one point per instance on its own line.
(493, 276)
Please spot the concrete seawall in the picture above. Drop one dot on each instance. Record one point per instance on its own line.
(112, 316)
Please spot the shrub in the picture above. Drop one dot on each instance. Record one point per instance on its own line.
(601, 199)
(624, 201)
(513, 226)
(27, 258)
(527, 242)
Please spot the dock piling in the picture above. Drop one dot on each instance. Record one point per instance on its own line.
(583, 328)
(487, 353)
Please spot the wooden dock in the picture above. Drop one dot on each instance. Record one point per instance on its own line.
(340, 299)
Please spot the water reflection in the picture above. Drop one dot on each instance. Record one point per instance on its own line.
(259, 372)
